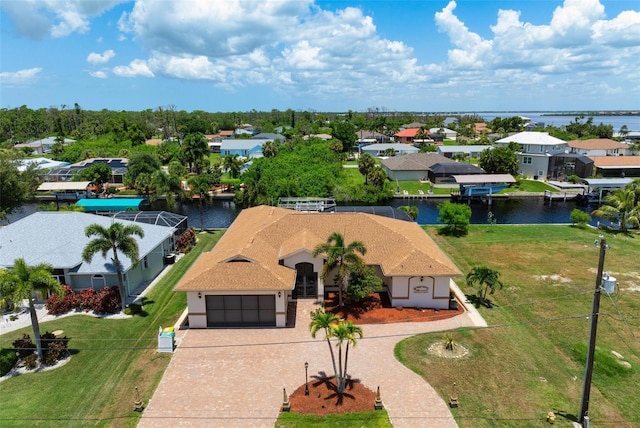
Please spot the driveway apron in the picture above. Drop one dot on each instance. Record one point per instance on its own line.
(235, 377)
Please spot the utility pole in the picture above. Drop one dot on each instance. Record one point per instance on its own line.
(586, 389)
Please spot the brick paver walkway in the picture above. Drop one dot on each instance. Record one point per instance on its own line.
(234, 377)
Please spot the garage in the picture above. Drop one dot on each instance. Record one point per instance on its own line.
(241, 310)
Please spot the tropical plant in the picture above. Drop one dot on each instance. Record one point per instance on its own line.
(621, 206)
(456, 217)
(194, 147)
(22, 282)
(377, 177)
(410, 210)
(449, 342)
(347, 335)
(579, 217)
(166, 184)
(269, 149)
(200, 185)
(340, 257)
(116, 238)
(486, 279)
(232, 164)
(366, 163)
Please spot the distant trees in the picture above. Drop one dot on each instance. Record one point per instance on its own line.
(507, 125)
(346, 133)
(584, 128)
(98, 173)
(193, 149)
(141, 163)
(16, 186)
(366, 163)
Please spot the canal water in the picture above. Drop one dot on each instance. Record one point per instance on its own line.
(532, 210)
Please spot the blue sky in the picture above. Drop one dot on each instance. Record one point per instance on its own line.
(336, 55)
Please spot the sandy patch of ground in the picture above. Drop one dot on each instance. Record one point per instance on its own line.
(557, 279)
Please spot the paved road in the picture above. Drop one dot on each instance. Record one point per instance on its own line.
(234, 377)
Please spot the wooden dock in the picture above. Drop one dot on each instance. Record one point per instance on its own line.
(560, 196)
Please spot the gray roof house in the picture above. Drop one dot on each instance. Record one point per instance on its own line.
(411, 167)
(58, 238)
(379, 150)
(269, 136)
(244, 148)
(43, 145)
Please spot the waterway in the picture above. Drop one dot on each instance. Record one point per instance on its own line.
(632, 122)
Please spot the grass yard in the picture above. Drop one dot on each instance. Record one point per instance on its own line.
(110, 358)
(374, 419)
(530, 186)
(531, 359)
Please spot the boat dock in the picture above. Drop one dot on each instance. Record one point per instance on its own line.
(560, 196)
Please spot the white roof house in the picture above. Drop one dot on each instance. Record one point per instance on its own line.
(40, 163)
(537, 148)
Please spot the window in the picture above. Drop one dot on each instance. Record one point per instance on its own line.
(145, 263)
(542, 150)
(526, 160)
(525, 148)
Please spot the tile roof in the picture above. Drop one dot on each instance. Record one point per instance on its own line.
(411, 132)
(246, 257)
(597, 144)
(414, 162)
(621, 161)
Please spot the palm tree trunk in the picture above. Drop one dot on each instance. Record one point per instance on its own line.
(339, 380)
(344, 374)
(123, 294)
(36, 328)
(333, 359)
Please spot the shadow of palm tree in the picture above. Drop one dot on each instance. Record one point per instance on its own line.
(330, 384)
(477, 301)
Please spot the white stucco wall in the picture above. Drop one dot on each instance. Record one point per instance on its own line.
(420, 292)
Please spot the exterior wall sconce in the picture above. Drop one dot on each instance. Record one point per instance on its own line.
(279, 294)
(199, 295)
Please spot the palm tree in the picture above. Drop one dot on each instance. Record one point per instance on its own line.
(321, 320)
(269, 149)
(485, 278)
(410, 210)
(344, 332)
(194, 147)
(21, 282)
(621, 206)
(366, 163)
(116, 237)
(232, 164)
(340, 257)
(200, 185)
(168, 185)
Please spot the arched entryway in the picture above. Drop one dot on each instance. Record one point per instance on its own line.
(306, 281)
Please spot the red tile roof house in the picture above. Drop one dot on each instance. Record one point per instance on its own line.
(617, 166)
(407, 136)
(265, 260)
(599, 147)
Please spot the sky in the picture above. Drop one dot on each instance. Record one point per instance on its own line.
(335, 55)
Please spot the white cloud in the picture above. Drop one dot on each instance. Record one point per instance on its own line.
(137, 67)
(98, 74)
(97, 58)
(20, 77)
(623, 30)
(37, 19)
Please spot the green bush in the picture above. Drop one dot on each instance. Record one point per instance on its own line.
(8, 359)
(579, 217)
(573, 179)
(133, 309)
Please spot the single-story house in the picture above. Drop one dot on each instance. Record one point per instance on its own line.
(66, 173)
(58, 238)
(244, 148)
(616, 166)
(447, 133)
(599, 147)
(372, 137)
(443, 172)
(380, 150)
(472, 151)
(411, 167)
(40, 164)
(536, 151)
(323, 137)
(265, 260)
(43, 145)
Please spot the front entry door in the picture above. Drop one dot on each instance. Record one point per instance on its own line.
(306, 281)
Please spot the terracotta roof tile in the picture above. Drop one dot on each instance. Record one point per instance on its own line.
(597, 144)
(630, 161)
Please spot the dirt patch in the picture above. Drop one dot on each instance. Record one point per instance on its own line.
(324, 399)
(377, 309)
(557, 279)
(439, 349)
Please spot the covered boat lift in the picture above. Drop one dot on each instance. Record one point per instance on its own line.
(598, 187)
(110, 204)
(481, 185)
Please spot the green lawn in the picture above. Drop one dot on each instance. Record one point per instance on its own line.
(373, 419)
(530, 186)
(531, 359)
(110, 358)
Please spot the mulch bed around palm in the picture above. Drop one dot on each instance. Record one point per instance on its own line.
(324, 399)
(376, 309)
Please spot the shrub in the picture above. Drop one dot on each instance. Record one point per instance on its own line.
(573, 179)
(186, 241)
(87, 299)
(107, 301)
(8, 359)
(579, 217)
(449, 342)
(133, 309)
(24, 346)
(456, 217)
(57, 305)
(31, 361)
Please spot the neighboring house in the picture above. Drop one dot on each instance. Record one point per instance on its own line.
(269, 136)
(153, 142)
(443, 172)
(447, 133)
(537, 149)
(41, 164)
(480, 128)
(407, 136)
(411, 167)
(58, 238)
(42, 146)
(472, 151)
(450, 120)
(599, 147)
(372, 137)
(412, 125)
(244, 148)
(380, 150)
(323, 137)
(617, 166)
(66, 173)
(264, 261)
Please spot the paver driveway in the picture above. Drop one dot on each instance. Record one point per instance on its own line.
(234, 377)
